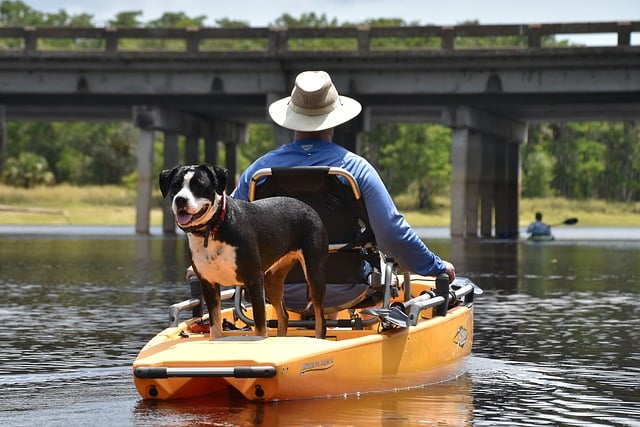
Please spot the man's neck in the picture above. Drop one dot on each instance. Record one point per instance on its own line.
(326, 135)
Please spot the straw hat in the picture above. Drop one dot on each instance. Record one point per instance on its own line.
(314, 104)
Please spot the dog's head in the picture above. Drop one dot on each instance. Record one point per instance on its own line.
(195, 192)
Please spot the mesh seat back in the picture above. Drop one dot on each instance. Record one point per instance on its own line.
(343, 213)
(331, 192)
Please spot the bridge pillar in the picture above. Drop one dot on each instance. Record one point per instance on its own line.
(144, 121)
(211, 150)
(232, 135)
(4, 144)
(192, 150)
(465, 181)
(507, 187)
(485, 178)
(281, 136)
(487, 189)
(346, 134)
(169, 159)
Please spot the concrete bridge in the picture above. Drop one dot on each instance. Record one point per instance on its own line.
(191, 82)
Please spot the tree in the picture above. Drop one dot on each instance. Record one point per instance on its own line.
(17, 13)
(622, 158)
(537, 166)
(305, 20)
(412, 157)
(126, 19)
(260, 142)
(79, 152)
(590, 168)
(230, 23)
(27, 170)
(177, 20)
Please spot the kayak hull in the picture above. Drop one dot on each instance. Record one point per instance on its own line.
(541, 237)
(178, 363)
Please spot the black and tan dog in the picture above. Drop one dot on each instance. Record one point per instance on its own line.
(235, 242)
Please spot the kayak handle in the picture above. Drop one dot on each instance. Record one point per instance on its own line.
(216, 372)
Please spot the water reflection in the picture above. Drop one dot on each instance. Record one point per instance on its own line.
(449, 404)
(555, 343)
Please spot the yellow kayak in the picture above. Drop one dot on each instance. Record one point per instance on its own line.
(417, 342)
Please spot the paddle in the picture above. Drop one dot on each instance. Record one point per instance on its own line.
(569, 221)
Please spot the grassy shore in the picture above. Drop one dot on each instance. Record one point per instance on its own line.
(111, 205)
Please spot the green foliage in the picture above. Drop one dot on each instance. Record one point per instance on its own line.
(622, 159)
(27, 170)
(305, 20)
(413, 158)
(592, 159)
(127, 19)
(590, 167)
(177, 20)
(230, 23)
(17, 13)
(260, 142)
(537, 169)
(79, 153)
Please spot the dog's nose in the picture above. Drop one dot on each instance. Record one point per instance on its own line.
(180, 202)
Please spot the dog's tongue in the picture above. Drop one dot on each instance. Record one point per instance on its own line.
(183, 218)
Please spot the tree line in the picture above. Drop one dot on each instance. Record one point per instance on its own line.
(576, 160)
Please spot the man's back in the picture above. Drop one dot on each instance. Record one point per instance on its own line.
(539, 228)
(394, 235)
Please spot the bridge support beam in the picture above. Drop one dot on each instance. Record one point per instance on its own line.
(231, 135)
(211, 150)
(4, 144)
(192, 149)
(145, 179)
(169, 160)
(281, 136)
(347, 134)
(485, 179)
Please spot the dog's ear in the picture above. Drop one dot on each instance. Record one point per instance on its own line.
(221, 177)
(164, 179)
(218, 176)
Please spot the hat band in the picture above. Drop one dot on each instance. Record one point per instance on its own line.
(315, 111)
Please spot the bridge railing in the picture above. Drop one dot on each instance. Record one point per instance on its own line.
(275, 41)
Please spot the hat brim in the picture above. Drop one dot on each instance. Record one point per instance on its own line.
(285, 117)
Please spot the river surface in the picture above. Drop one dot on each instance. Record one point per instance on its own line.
(556, 343)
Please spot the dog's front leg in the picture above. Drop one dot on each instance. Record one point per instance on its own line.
(255, 289)
(211, 295)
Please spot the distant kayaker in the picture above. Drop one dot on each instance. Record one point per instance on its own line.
(539, 228)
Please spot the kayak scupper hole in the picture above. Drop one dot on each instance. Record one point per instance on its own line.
(259, 391)
(153, 392)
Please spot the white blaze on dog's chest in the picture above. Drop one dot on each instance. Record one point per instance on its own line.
(217, 262)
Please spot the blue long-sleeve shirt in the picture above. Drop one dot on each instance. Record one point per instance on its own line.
(394, 236)
(539, 228)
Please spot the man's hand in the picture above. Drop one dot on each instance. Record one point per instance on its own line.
(450, 270)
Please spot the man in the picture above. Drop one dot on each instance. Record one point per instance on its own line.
(539, 228)
(312, 111)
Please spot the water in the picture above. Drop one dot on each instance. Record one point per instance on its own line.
(556, 336)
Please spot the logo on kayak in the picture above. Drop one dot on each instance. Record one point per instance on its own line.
(317, 365)
(462, 335)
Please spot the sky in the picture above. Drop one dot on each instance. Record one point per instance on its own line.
(260, 13)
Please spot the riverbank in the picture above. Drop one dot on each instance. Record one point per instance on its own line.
(115, 205)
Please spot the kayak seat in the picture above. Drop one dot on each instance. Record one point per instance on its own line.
(356, 273)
